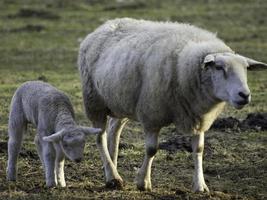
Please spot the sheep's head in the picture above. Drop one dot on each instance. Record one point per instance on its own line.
(228, 76)
(72, 140)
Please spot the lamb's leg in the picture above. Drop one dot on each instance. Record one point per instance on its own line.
(199, 184)
(114, 131)
(49, 158)
(39, 149)
(113, 179)
(60, 159)
(16, 127)
(143, 176)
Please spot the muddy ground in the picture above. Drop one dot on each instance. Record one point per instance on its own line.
(253, 122)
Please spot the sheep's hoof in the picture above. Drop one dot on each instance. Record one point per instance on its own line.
(202, 188)
(144, 187)
(115, 184)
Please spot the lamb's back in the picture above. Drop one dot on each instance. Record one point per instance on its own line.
(37, 96)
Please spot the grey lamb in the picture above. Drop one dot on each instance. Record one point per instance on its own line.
(58, 135)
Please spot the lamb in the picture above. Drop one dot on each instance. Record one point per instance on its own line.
(158, 73)
(50, 110)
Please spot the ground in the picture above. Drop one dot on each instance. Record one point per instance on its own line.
(40, 40)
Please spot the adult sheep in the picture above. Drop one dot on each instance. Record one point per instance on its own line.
(158, 73)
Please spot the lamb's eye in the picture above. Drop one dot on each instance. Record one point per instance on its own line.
(219, 67)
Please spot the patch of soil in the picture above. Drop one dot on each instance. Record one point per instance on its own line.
(126, 146)
(125, 6)
(182, 143)
(24, 153)
(42, 78)
(256, 121)
(27, 13)
(28, 154)
(28, 28)
(253, 121)
(179, 142)
(3, 147)
(226, 123)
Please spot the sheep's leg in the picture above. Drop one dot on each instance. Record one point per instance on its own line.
(113, 179)
(39, 149)
(16, 127)
(114, 131)
(49, 157)
(60, 160)
(199, 184)
(143, 176)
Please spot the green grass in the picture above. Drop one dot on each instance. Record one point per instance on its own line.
(235, 165)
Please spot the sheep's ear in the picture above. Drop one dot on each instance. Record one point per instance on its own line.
(54, 137)
(90, 130)
(255, 65)
(209, 59)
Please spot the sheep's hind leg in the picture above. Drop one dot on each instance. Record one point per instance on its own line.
(143, 178)
(114, 131)
(16, 127)
(199, 184)
(113, 179)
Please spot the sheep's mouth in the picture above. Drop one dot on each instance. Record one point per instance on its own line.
(240, 104)
(243, 102)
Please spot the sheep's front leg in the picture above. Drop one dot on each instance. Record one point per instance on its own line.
(199, 184)
(60, 160)
(49, 157)
(113, 179)
(143, 176)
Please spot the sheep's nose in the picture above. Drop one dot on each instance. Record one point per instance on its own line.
(78, 160)
(244, 96)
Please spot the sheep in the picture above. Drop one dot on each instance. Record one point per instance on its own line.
(58, 135)
(158, 73)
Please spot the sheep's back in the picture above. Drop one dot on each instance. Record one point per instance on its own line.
(132, 63)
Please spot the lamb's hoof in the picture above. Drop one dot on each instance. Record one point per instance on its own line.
(12, 179)
(115, 184)
(11, 175)
(51, 185)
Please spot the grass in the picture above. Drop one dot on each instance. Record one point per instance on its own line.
(45, 46)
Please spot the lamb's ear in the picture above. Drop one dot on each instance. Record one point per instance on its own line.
(54, 137)
(209, 59)
(90, 130)
(255, 65)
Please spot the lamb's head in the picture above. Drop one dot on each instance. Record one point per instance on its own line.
(72, 140)
(228, 76)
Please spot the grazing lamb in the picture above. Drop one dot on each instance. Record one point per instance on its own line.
(50, 110)
(158, 73)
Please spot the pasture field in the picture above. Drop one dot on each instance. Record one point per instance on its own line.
(39, 40)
